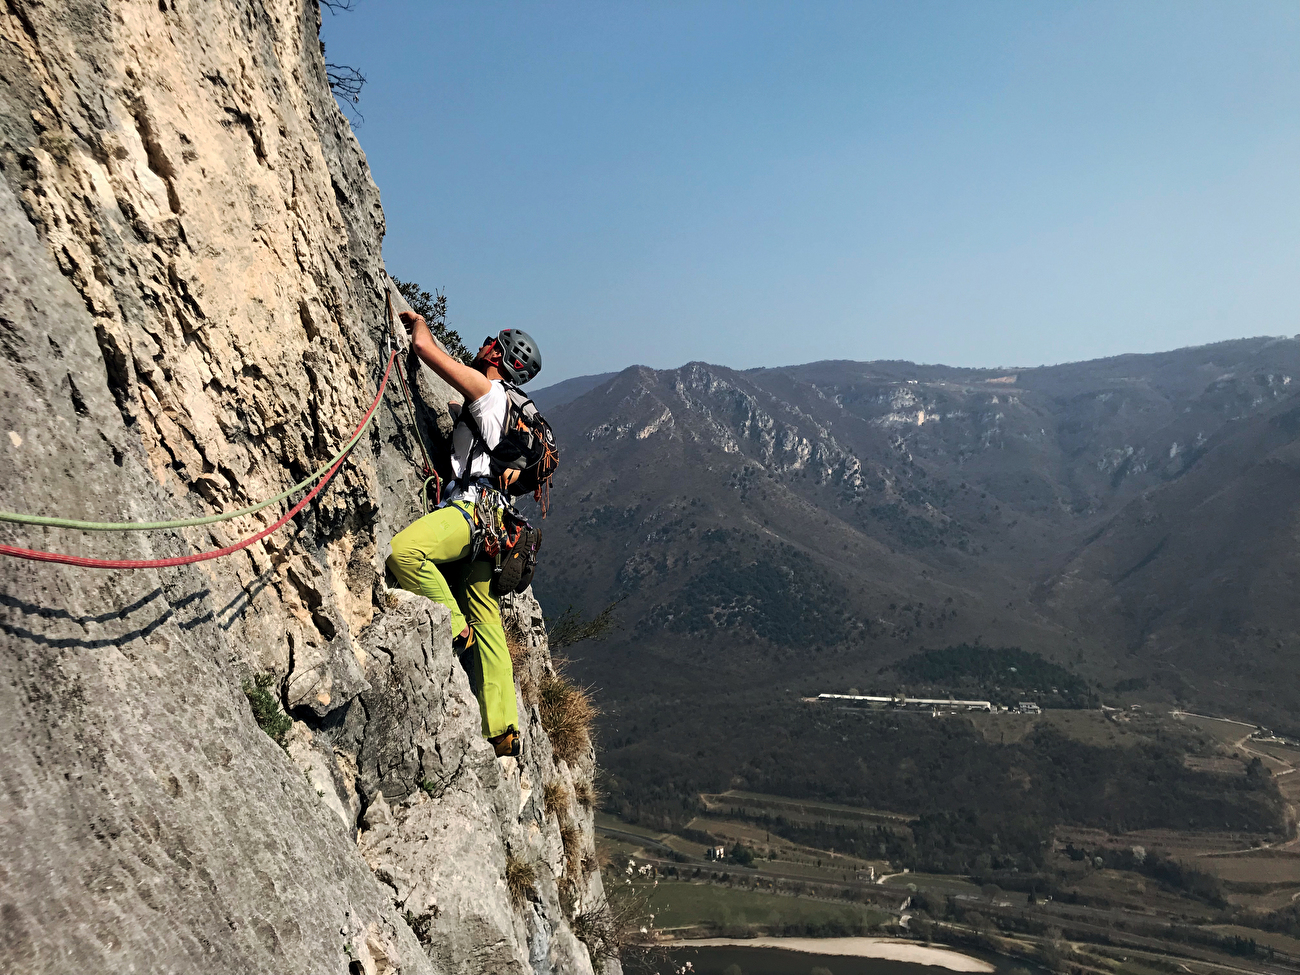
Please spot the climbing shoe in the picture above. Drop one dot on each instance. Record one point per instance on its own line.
(507, 743)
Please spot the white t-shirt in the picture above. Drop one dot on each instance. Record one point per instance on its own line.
(489, 412)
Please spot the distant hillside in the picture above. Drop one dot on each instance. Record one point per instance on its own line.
(549, 397)
(1003, 675)
(777, 532)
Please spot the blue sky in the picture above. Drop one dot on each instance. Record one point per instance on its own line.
(974, 183)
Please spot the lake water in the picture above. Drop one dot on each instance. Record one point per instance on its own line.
(774, 961)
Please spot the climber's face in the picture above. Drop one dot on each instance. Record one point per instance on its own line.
(489, 354)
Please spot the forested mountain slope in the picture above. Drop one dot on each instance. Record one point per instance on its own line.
(777, 532)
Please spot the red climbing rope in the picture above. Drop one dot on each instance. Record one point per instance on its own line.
(38, 556)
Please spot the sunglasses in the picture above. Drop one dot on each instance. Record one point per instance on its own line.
(490, 340)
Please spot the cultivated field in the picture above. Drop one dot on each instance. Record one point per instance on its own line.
(1199, 878)
(807, 860)
(680, 904)
(1175, 843)
(937, 882)
(1259, 867)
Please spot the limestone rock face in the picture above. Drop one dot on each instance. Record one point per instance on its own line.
(450, 814)
(192, 319)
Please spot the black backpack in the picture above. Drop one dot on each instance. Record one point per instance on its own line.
(527, 445)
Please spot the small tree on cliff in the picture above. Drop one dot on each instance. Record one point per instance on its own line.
(433, 308)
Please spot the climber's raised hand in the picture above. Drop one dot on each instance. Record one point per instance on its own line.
(409, 318)
(472, 383)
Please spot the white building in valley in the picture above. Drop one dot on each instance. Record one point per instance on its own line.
(912, 703)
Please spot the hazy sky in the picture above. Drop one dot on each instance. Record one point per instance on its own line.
(750, 183)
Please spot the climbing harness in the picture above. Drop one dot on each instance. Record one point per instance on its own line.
(500, 533)
(323, 476)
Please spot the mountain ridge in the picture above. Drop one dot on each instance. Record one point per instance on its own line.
(568, 390)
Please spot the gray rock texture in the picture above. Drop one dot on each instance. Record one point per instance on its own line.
(192, 319)
(448, 813)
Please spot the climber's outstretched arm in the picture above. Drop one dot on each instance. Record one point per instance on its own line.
(471, 383)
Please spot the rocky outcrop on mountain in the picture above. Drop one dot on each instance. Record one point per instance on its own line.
(192, 319)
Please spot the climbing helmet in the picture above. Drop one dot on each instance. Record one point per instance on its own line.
(520, 359)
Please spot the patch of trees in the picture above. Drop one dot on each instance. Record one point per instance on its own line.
(605, 519)
(782, 596)
(915, 531)
(741, 854)
(955, 841)
(999, 674)
(1285, 920)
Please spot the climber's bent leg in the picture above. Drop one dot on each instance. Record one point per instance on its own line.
(441, 536)
(496, 676)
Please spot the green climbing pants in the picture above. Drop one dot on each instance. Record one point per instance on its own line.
(431, 557)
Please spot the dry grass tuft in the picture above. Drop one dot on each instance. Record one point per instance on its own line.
(567, 716)
(587, 793)
(516, 636)
(590, 863)
(518, 652)
(555, 798)
(572, 840)
(521, 878)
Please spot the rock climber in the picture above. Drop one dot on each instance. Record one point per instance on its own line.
(434, 556)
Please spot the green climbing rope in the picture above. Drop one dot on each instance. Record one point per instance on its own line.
(424, 491)
(142, 526)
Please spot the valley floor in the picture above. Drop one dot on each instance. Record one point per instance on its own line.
(1203, 902)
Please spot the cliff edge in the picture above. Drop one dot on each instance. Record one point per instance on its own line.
(192, 319)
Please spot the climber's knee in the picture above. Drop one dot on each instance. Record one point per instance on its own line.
(404, 563)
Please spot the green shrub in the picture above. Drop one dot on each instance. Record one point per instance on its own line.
(266, 709)
(433, 307)
(741, 854)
